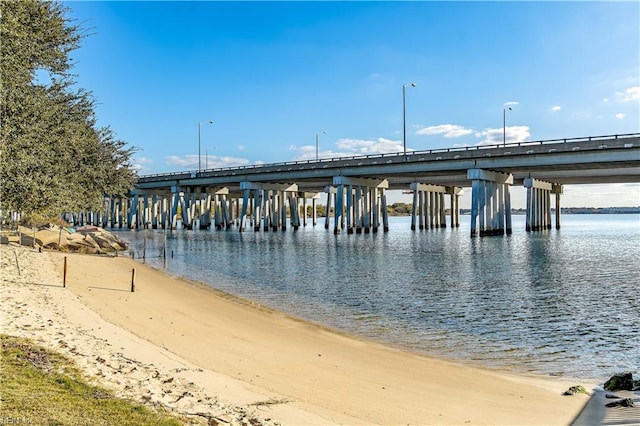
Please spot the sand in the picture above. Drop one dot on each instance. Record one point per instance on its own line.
(196, 350)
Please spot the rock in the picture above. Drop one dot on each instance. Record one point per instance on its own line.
(573, 390)
(628, 402)
(85, 239)
(611, 396)
(620, 381)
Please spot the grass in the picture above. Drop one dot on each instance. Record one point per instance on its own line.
(38, 386)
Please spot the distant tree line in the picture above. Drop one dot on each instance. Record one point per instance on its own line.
(395, 209)
(54, 158)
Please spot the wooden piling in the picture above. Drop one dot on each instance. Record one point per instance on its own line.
(133, 280)
(17, 264)
(64, 273)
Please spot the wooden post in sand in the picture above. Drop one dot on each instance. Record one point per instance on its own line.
(17, 264)
(133, 280)
(64, 273)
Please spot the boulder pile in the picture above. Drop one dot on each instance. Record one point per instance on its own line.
(84, 239)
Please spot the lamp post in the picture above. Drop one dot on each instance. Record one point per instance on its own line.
(199, 150)
(206, 157)
(404, 117)
(317, 134)
(504, 125)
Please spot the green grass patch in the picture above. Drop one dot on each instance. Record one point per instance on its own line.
(38, 386)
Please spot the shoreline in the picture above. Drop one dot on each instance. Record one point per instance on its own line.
(282, 368)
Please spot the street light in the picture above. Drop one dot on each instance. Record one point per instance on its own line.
(404, 117)
(317, 134)
(206, 157)
(199, 156)
(504, 125)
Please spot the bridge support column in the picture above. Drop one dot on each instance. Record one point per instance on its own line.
(146, 213)
(489, 202)
(133, 213)
(557, 190)
(314, 212)
(339, 209)
(218, 209)
(375, 206)
(269, 205)
(428, 206)
(304, 210)
(539, 204)
(122, 211)
(357, 211)
(385, 213)
(349, 211)
(177, 207)
(364, 198)
(258, 200)
(294, 211)
(455, 193)
(112, 212)
(331, 193)
(243, 214)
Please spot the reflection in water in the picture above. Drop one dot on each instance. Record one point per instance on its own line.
(556, 302)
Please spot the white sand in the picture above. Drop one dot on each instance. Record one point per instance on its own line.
(195, 350)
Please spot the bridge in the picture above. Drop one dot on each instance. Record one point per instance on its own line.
(355, 187)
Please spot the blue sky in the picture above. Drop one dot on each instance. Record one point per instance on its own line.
(272, 75)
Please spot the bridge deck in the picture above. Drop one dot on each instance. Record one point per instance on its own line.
(601, 159)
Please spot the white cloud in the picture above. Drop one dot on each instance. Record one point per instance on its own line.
(511, 103)
(556, 108)
(141, 164)
(631, 94)
(605, 100)
(241, 147)
(365, 147)
(448, 130)
(349, 148)
(620, 116)
(512, 134)
(190, 162)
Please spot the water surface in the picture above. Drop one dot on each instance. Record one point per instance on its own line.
(562, 303)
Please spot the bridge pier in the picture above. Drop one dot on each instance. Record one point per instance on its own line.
(539, 204)
(557, 190)
(490, 202)
(428, 208)
(220, 206)
(455, 193)
(359, 203)
(269, 205)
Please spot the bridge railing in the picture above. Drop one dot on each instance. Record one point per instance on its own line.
(194, 173)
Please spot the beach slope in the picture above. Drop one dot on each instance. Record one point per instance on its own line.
(250, 360)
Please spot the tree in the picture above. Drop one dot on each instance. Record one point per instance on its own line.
(53, 157)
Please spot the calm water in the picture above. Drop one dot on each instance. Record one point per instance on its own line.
(563, 303)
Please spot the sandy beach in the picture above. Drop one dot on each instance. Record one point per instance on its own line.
(201, 352)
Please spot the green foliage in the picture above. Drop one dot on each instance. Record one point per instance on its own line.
(42, 387)
(53, 156)
(399, 209)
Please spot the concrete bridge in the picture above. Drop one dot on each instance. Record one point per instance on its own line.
(355, 187)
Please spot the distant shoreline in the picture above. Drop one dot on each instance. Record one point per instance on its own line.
(579, 210)
(405, 210)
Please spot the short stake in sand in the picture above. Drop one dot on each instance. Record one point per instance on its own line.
(64, 273)
(133, 280)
